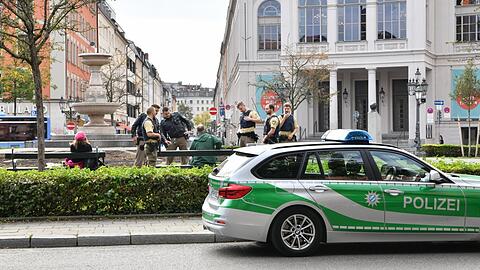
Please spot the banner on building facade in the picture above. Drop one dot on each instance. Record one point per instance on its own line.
(458, 109)
(265, 96)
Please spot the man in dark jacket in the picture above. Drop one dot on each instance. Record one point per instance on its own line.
(204, 141)
(174, 127)
(138, 136)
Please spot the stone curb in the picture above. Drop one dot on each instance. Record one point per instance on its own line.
(84, 240)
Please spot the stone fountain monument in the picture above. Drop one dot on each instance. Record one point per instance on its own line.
(95, 104)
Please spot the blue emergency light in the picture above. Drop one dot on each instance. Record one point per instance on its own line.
(347, 135)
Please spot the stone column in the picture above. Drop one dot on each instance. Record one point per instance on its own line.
(371, 24)
(373, 116)
(333, 100)
(332, 25)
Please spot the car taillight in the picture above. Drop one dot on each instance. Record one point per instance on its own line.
(233, 192)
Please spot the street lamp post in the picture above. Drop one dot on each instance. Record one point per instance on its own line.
(66, 107)
(418, 87)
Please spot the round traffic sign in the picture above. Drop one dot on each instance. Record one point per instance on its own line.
(213, 111)
(227, 107)
(446, 110)
(430, 110)
(71, 125)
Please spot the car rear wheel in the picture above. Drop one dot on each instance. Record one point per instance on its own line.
(296, 232)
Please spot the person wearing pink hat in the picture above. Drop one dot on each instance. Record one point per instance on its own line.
(79, 145)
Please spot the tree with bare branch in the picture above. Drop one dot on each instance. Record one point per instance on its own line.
(114, 77)
(300, 78)
(27, 28)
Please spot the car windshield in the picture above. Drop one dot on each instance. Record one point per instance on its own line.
(232, 164)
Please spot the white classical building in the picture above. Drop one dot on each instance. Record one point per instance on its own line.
(374, 47)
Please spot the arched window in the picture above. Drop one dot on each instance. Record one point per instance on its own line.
(312, 20)
(269, 25)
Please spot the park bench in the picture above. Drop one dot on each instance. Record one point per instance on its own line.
(14, 156)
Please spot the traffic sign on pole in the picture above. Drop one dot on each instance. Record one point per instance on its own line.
(213, 111)
(71, 125)
(439, 102)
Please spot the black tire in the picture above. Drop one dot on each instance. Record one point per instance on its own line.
(297, 251)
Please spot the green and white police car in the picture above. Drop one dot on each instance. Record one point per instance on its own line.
(343, 189)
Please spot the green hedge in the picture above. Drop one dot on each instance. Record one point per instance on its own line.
(458, 167)
(107, 191)
(445, 150)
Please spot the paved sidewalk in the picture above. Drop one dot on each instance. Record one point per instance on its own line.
(101, 232)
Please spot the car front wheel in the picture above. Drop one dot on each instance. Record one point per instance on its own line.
(296, 232)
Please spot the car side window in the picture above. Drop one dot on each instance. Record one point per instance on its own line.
(342, 165)
(313, 168)
(281, 167)
(397, 167)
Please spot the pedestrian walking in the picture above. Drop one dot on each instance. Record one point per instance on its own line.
(204, 141)
(288, 125)
(152, 137)
(138, 137)
(174, 127)
(248, 122)
(271, 128)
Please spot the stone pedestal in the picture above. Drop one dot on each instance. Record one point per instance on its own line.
(96, 105)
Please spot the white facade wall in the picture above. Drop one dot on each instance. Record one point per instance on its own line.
(429, 46)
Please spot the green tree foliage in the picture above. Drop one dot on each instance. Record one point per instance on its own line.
(186, 111)
(203, 118)
(467, 91)
(16, 83)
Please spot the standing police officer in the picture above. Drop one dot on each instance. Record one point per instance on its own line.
(152, 137)
(138, 136)
(173, 128)
(248, 120)
(271, 128)
(288, 125)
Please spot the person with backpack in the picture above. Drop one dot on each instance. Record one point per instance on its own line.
(204, 141)
(271, 128)
(138, 137)
(174, 127)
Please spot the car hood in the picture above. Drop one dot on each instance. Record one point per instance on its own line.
(471, 180)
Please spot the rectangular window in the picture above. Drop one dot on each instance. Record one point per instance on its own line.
(312, 16)
(392, 19)
(352, 20)
(467, 28)
(269, 37)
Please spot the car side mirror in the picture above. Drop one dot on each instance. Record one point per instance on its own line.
(435, 177)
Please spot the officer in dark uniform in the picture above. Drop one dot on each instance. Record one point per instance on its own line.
(271, 128)
(288, 125)
(248, 120)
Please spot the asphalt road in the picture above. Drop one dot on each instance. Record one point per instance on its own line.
(246, 256)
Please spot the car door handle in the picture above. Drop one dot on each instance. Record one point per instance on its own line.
(319, 189)
(393, 192)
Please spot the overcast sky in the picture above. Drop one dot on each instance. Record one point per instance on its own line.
(182, 37)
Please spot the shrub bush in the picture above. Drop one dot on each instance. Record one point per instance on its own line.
(444, 150)
(458, 167)
(106, 191)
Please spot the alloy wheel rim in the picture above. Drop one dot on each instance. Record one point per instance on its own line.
(298, 232)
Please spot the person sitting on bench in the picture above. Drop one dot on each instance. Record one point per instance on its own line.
(81, 145)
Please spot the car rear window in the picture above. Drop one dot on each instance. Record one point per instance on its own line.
(232, 164)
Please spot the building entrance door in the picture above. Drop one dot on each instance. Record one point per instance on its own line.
(361, 104)
(400, 105)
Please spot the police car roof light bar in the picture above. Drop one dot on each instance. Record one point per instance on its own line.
(347, 136)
